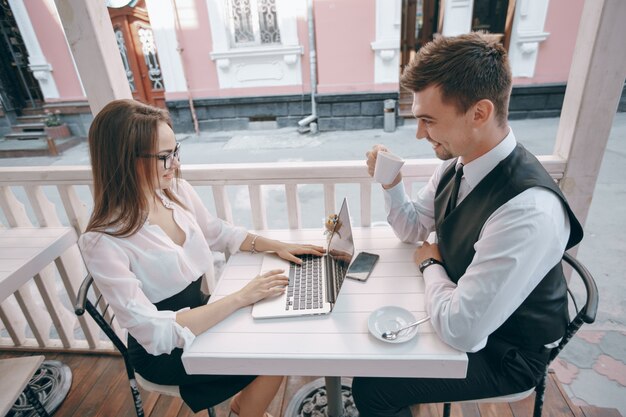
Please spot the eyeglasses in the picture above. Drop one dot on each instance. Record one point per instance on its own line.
(167, 159)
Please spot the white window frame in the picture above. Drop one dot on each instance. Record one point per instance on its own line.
(263, 65)
(256, 27)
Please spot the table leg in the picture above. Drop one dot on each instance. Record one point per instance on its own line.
(333, 394)
(323, 397)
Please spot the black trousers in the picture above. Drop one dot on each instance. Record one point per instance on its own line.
(498, 369)
(198, 391)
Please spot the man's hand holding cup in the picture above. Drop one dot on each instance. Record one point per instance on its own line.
(384, 166)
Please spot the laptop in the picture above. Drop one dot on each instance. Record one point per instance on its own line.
(313, 286)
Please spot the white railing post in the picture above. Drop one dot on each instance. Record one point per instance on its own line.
(329, 199)
(32, 308)
(222, 204)
(293, 205)
(257, 207)
(366, 204)
(64, 320)
(75, 209)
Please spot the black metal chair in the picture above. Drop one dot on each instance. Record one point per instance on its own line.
(586, 314)
(99, 311)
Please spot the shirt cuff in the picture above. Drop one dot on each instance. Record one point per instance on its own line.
(435, 273)
(186, 335)
(239, 235)
(395, 194)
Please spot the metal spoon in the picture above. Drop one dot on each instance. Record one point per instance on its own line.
(392, 335)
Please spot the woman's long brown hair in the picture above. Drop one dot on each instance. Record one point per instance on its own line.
(120, 135)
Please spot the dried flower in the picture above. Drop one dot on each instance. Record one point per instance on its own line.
(332, 225)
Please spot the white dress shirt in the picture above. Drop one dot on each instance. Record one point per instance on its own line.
(517, 246)
(137, 271)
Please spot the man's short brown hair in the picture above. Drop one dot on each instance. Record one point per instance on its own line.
(467, 68)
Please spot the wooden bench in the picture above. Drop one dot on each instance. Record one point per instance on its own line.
(16, 374)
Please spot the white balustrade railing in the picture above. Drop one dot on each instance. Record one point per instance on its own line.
(54, 196)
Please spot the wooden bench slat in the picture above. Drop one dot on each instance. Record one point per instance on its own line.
(16, 373)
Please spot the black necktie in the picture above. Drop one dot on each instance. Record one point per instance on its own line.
(455, 188)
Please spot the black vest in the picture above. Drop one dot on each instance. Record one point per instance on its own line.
(542, 317)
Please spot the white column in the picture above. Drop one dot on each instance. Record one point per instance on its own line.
(163, 23)
(593, 91)
(90, 35)
(526, 35)
(457, 17)
(387, 44)
(42, 70)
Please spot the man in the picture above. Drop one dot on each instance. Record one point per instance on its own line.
(494, 286)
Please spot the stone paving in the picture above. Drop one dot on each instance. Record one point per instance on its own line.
(592, 367)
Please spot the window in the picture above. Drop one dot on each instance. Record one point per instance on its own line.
(253, 22)
(121, 45)
(490, 15)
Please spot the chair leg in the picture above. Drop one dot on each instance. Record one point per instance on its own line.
(33, 400)
(134, 390)
(540, 391)
(212, 412)
(446, 409)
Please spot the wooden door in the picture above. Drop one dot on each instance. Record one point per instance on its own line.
(419, 24)
(135, 41)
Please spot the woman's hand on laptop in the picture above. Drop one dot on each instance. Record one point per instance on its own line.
(287, 251)
(268, 284)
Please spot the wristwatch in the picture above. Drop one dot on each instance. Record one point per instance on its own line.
(428, 262)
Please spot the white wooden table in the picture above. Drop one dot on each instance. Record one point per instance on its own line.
(333, 345)
(25, 251)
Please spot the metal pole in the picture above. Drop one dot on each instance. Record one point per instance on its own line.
(311, 119)
(333, 394)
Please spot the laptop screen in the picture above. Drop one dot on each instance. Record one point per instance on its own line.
(341, 249)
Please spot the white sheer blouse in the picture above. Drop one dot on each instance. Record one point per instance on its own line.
(137, 271)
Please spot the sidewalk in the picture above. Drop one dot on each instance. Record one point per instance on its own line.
(593, 366)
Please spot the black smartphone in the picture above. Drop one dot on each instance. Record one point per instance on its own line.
(362, 266)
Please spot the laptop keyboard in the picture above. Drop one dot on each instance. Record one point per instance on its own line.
(304, 291)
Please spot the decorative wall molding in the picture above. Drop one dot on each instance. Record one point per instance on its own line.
(526, 35)
(272, 51)
(386, 47)
(257, 66)
(42, 70)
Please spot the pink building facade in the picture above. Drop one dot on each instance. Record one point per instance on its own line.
(222, 65)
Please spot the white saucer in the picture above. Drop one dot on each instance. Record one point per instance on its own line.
(391, 318)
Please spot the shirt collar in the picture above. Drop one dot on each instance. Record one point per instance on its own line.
(476, 170)
(164, 199)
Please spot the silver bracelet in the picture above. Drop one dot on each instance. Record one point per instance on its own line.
(253, 250)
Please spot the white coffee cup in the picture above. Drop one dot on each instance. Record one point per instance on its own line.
(387, 167)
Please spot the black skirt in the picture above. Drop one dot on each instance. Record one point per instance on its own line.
(198, 391)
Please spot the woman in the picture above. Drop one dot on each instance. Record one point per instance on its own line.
(148, 245)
